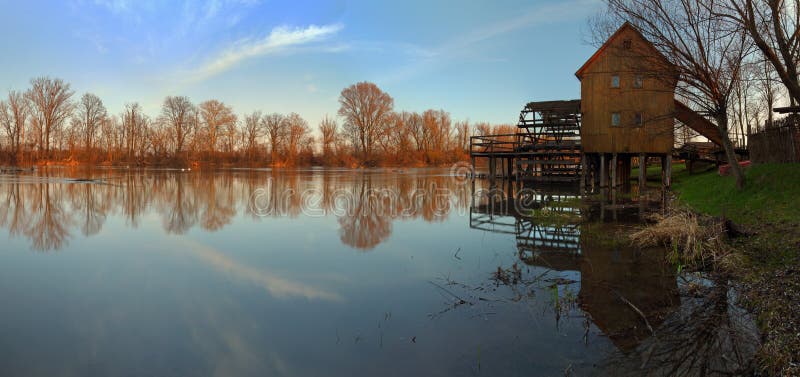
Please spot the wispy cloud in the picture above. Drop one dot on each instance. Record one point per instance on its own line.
(427, 58)
(279, 40)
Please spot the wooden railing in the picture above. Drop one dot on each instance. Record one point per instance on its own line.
(494, 143)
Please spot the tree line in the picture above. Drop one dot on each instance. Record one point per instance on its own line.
(48, 123)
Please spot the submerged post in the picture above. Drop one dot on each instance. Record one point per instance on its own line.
(642, 173)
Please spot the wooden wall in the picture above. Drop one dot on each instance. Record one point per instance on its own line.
(655, 100)
(775, 145)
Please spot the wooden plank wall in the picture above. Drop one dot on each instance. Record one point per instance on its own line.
(775, 145)
(655, 100)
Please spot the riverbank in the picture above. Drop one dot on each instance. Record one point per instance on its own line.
(768, 209)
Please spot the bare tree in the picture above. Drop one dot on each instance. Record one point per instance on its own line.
(705, 55)
(215, 117)
(179, 116)
(297, 128)
(275, 127)
(462, 135)
(252, 133)
(13, 118)
(90, 114)
(774, 26)
(50, 101)
(328, 128)
(134, 130)
(365, 108)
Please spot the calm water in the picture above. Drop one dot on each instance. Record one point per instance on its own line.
(341, 273)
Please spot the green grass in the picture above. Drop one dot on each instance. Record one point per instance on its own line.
(771, 194)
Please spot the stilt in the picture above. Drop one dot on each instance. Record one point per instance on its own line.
(603, 179)
(614, 177)
(583, 173)
(492, 167)
(626, 172)
(642, 173)
(596, 172)
(668, 175)
(472, 173)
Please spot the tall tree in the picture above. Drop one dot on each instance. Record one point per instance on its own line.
(90, 114)
(134, 130)
(275, 127)
(50, 101)
(297, 130)
(252, 133)
(365, 109)
(13, 118)
(774, 27)
(328, 128)
(179, 116)
(215, 118)
(706, 56)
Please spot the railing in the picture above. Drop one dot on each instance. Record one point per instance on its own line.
(494, 143)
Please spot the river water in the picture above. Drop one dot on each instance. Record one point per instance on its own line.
(110, 272)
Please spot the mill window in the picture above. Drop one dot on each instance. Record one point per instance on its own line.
(638, 81)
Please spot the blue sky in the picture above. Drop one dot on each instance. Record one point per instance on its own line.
(480, 60)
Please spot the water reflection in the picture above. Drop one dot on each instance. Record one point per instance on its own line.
(263, 272)
(632, 296)
(50, 208)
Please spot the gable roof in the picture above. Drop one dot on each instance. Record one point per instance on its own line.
(626, 26)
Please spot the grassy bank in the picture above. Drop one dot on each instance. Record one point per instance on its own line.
(769, 209)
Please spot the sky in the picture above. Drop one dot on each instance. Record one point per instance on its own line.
(479, 60)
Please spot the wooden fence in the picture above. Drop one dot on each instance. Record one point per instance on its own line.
(775, 145)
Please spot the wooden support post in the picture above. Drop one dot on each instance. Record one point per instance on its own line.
(472, 173)
(596, 173)
(668, 175)
(583, 173)
(603, 178)
(642, 173)
(614, 177)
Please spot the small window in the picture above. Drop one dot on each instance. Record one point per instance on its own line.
(626, 44)
(638, 119)
(615, 119)
(615, 81)
(638, 80)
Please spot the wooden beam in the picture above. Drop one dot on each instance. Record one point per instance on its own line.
(787, 110)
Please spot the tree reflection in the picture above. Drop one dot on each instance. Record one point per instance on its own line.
(366, 225)
(48, 227)
(47, 209)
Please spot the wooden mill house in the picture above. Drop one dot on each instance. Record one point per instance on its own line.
(627, 110)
